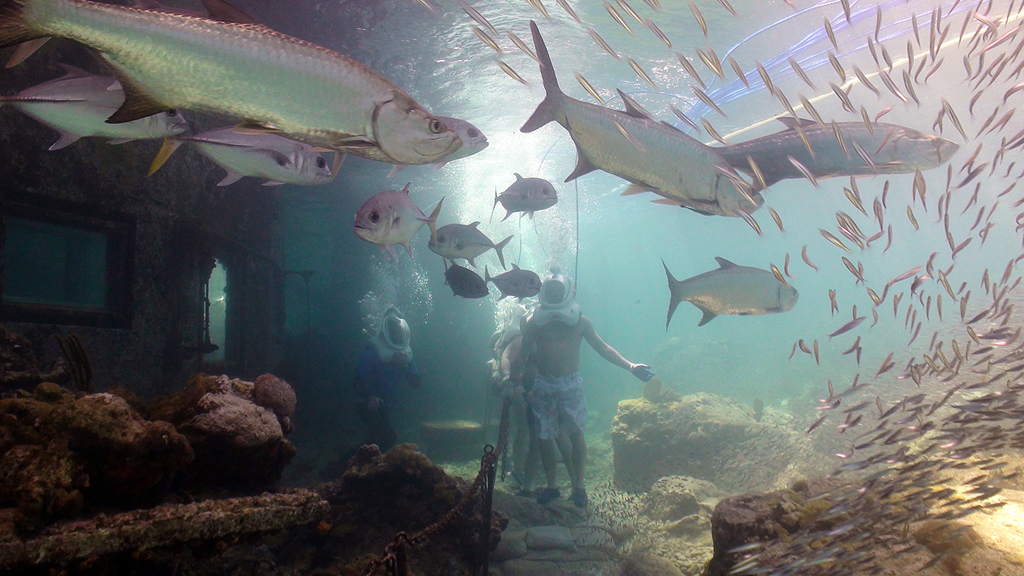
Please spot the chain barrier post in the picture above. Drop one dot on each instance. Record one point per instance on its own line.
(401, 562)
(489, 464)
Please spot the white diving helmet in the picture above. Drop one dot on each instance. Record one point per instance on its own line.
(393, 339)
(557, 302)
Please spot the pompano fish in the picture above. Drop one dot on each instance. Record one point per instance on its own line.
(526, 195)
(278, 159)
(78, 105)
(464, 282)
(473, 141)
(516, 282)
(465, 241)
(667, 162)
(897, 150)
(390, 217)
(730, 289)
(166, 60)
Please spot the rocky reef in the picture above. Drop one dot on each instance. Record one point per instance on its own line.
(236, 429)
(704, 436)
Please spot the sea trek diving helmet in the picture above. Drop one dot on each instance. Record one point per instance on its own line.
(557, 302)
(393, 339)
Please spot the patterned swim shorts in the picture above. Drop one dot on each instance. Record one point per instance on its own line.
(554, 398)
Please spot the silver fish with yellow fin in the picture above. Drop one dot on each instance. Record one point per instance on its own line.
(274, 82)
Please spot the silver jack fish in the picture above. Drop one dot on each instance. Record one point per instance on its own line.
(652, 155)
(278, 159)
(893, 149)
(730, 289)
(526, 195)
(516, 282)
(390, 217)
(78, 104)
(276, 83)
(465, 241)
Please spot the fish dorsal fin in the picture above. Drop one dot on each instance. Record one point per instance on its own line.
(723, 263)
(221, 10)
(137, 104)
(632, 108)
(406, 189)
(514, 267)
(792, 123)
(518, 177)
(474, 224)
(673, 127)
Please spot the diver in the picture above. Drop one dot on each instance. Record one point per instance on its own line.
(507, 343)
(552, 334)
(386, 361)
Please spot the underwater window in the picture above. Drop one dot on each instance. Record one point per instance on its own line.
(65, 267)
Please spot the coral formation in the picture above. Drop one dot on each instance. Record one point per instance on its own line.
(701, 435)
(278, 396)
(238, 444)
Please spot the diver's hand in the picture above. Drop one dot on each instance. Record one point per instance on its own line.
(374, 403)
(642, 371)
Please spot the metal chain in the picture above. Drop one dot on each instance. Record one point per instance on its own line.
(394, 554)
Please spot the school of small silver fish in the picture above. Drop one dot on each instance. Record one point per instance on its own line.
(962, 406)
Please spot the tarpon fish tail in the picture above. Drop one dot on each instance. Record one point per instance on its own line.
(432, 221)
(498, 247)
(547, 111)
(674, 287)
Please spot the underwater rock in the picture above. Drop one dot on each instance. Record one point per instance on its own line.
(674, 497)
(704, 436)
(64, 452)
(278, 396)
(129, 460)
(238, 444)
(166, 525)
(639, 564)
(768, 518)
(379, 495)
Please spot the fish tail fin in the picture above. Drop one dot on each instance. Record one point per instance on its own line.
(14, 28)
(491, 219)
(432, 221)
(487, 275)
(547, 110)
(676, 294)
(498, 249)
(168, 148)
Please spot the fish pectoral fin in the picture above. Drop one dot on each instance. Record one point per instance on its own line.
(666, 202)
(137, 103)
(282, 160)
(708, 315)
(273, 183)
(254, 128)
(354, 143)
(168, 148)
(634, 189)
(24, 50)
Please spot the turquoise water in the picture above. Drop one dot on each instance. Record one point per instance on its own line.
(622, 240)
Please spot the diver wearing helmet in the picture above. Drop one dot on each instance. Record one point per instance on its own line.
(552, 334)
(386, 361)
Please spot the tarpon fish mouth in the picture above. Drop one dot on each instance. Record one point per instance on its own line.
(652, 155)
(272, 81)
(894, 149)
